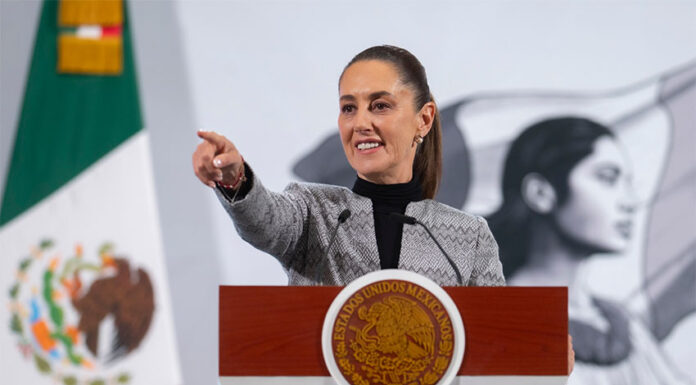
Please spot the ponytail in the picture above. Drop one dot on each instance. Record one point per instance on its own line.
(427, 167)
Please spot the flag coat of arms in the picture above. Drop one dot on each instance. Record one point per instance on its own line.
(84, 286)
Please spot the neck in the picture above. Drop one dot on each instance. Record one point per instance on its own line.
(551, 256)
(400, 193)
(403, 177)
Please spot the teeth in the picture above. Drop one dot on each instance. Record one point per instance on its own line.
(365, 146)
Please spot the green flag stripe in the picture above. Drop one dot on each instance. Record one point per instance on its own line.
(67, 122)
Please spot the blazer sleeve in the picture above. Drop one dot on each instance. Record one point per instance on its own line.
(487, 269)
(275, 223)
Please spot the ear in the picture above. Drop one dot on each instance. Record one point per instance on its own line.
(538, 193)
(425, 117)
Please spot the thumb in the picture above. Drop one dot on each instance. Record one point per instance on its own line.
(227, 159)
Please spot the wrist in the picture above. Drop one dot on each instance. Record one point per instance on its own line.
(238, 180)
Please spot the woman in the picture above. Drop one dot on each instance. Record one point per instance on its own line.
(567, 196)
(390, 132)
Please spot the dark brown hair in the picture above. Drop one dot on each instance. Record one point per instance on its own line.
(427, 166)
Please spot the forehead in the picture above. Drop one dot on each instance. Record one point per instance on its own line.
(606, 148)
(369, 76)
(606, 152)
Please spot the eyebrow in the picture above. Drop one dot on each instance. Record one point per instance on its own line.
(372, 96)
(609, 167)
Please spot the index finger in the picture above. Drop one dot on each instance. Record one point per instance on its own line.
(212, 137)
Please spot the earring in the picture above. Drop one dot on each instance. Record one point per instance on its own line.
(418, 139)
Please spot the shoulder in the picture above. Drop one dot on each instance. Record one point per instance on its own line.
(319, 192)
(610, 308)
(440, 214)
(328, 201)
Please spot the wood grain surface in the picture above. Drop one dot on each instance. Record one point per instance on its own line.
(276, 330)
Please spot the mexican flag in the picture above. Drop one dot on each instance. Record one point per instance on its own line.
(83, 283)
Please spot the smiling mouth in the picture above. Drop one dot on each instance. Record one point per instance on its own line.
(368, 145)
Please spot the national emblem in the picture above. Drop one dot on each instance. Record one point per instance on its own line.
(393, 327)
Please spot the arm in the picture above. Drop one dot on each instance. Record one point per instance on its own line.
(487, 270)
(272, 222)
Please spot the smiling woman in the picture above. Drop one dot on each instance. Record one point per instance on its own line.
(384, 94)
(382, 124)
(323, 234)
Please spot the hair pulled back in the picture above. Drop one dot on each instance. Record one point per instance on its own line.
(551, 148)
(427, 166)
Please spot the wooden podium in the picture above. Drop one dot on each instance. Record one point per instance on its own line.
(272, 334)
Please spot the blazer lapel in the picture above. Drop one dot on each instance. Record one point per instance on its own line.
(420, 254)
(415, 243)
(357, 237)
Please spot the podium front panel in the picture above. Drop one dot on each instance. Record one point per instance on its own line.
(274, 331)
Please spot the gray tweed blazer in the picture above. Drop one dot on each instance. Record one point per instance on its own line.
(295, 226)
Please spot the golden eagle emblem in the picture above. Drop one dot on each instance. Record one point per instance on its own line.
(397, 326)
(392, 332)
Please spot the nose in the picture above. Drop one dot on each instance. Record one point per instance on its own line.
(362, 121)
(630, 202)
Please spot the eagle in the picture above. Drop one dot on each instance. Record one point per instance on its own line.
(397, 326)
(127, 297)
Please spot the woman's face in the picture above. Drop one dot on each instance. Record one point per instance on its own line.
(378, 122)
(598, 212)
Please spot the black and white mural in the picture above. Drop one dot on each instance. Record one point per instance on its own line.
(567, 180)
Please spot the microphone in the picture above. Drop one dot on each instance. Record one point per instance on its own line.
(413, 221)
(342, 217)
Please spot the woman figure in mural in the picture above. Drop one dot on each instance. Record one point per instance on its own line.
(566, 196)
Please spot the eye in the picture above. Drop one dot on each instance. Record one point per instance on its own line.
(379, 106)
(347, 108)
(608, 175)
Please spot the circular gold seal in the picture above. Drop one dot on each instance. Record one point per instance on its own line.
(393, 327)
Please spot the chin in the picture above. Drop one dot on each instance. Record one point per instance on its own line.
(608, 246)
(590, 244)
(616, 246)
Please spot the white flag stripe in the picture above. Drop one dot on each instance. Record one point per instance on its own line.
(112, 201)
(89, 31)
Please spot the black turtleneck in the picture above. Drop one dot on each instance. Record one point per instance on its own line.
(388, 198)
